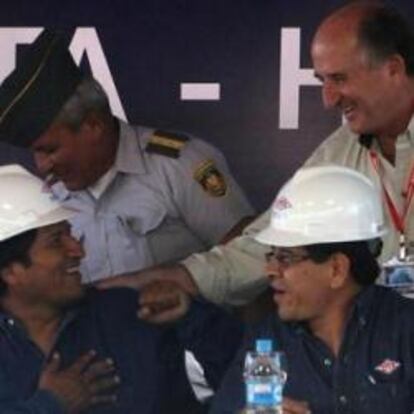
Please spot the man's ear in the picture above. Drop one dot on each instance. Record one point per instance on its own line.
(396, 66)
(12, 274)
(93, 126)
(340, 270)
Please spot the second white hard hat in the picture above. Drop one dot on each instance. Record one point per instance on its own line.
(325, 204)
(26, 203)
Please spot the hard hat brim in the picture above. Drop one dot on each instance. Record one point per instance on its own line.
(280, 238)
(56, 216)
(283, 238)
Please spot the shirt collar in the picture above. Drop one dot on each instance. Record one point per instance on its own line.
(8, 321)
(4, 318)
(98, 188)
(360, 312)
(367, 140)
(410, 130)
(363, 304)
(128, 159)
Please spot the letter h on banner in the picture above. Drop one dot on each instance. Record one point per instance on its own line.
(292, 77)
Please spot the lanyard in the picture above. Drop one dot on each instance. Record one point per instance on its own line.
(398, 218)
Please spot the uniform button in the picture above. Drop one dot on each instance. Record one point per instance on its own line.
(343, 400)
(10, 322)
(327, 362)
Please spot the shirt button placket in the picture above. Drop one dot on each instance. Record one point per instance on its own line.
(327, 362)
(343, 404)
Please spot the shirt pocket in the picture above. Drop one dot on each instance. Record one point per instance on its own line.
(387, 393)
(145, 222)
(143, 215)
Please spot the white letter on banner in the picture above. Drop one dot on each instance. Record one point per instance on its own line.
(86, 40)
(291, 78)
(9, 38)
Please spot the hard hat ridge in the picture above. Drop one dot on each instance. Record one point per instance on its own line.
(26, 203)
(325, 204)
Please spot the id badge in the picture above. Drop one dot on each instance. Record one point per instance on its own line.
(398, 274)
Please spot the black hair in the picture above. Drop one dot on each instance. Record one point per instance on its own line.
(362, 255)
(383, 32)
(15, 249)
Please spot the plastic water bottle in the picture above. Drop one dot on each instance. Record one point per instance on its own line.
(264, 379)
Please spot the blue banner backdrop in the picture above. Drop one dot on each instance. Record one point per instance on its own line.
(258, 100)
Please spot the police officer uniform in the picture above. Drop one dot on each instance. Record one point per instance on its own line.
(151, 206)
(166, 195)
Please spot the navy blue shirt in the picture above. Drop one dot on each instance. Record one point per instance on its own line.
(148, 359)
(373, 373)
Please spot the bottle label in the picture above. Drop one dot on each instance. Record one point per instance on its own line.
(266, 394)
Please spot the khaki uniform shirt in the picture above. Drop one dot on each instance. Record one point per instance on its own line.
(234, 273)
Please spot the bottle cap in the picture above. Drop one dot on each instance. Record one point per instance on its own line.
(264, 346)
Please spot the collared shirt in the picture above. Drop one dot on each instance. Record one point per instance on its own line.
(233, 273)
(149, 209)
(148, 359)
(373, 373)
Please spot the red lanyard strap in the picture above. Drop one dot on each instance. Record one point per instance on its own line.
(398, 218)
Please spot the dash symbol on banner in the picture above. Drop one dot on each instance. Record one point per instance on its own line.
(200, 91)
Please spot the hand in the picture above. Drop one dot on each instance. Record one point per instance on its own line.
(137, 280)
(162, 302)
(295, 407)
(81, 385)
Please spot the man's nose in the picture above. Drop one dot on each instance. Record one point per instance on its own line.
(44, 162)
(330, 95)
(273, 270)
(74, 247)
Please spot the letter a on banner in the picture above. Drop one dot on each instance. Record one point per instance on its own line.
(85, 40)
(10, 37)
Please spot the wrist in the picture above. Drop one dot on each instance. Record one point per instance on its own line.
(181, 275)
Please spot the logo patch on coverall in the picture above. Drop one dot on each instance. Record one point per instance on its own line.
(388, 366)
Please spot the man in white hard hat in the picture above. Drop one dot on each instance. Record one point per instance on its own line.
(349, 343)
(68, 349)
(363, 54)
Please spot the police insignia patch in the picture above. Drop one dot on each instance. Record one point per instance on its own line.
(211, 179)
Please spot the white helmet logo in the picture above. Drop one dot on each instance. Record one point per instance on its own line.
(282, 203)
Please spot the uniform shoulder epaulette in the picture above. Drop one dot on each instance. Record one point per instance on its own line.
(166, 143)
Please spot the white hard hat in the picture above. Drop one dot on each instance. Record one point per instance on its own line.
(324, 204)
(26, 203)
